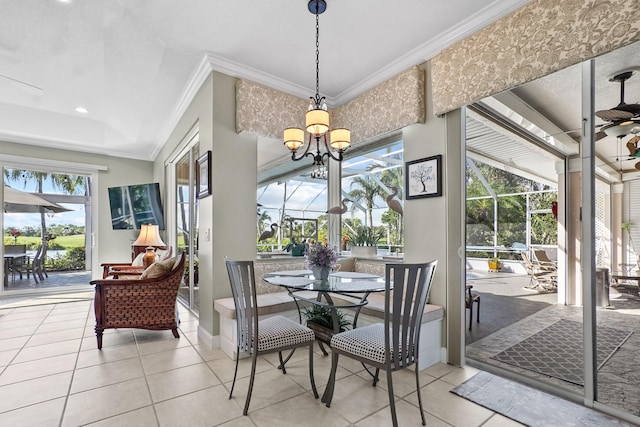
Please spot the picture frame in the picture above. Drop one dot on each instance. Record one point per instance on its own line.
(423, 177)
(203, 175)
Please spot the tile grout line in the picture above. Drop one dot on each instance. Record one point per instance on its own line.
(75, 366)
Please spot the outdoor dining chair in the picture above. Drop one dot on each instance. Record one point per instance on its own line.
(28, 266)
(256, 337)
(394, 344)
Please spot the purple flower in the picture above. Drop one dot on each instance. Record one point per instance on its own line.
(319, 255)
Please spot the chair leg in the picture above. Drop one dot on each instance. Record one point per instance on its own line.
(235, 373)
(311, 376)
(328, 391)
(284, 370)
(392, 401)
(470, 314)
(254, 360)
(424, 422)
(175, 332)
(99, 338)
(478, 313)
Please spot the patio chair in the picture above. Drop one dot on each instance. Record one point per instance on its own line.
(256, 337)
(543, 260)
(541, 277)
(470, 299)
(394, 344)
(28, 266)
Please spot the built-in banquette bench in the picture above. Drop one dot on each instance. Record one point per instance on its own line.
(273, 300)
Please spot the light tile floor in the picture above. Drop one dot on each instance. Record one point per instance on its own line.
(51, 374)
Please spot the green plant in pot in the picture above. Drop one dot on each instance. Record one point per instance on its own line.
(366, 238)
(321, 315)
(494, 264)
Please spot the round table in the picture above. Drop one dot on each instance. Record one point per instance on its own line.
(354, 285)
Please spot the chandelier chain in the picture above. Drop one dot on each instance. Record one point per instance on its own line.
(317, 57)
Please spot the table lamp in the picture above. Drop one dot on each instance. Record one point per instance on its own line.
(149, 237)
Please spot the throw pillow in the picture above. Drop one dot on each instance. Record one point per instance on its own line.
(157, 269)
(163, 254)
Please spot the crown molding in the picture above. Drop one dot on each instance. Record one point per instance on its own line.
(213, 62)
(431, 48)
(191, 88)
(60, 144)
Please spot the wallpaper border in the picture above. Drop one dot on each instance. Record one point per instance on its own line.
(391, 105)
(538, 39)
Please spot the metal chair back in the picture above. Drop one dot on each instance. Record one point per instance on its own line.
(243, 288)
(404, 307)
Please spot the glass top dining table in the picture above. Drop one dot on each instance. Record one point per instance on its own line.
(356, 286)
(339, 282)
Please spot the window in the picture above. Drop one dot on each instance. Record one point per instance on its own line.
(373, 183)
(294, 209)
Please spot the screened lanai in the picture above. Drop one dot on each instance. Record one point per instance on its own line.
(289, 202)
(542, 336)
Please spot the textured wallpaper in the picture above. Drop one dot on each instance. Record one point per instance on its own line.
(398, 102)
(542, 37)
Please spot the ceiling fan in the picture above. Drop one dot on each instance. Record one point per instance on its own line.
(623, 118)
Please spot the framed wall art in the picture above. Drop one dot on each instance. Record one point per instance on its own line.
(423, 177)
(203, 175)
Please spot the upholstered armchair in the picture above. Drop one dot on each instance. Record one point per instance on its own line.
(145, 302)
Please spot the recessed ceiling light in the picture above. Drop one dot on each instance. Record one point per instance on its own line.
(81, 109)
(64, 1)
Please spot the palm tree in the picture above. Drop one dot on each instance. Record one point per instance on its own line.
(69, 184)
(367, 193)
(263, 219)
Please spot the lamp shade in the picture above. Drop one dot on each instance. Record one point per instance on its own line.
(149, 236)
(340, 139)
(317, 121)
(293, 138)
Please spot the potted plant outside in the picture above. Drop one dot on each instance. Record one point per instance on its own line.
(494, 264)
(364, 241)
(320, 320)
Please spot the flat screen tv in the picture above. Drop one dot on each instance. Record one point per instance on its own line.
(134, 205)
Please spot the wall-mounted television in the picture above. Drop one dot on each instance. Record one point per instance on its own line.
(134, 205)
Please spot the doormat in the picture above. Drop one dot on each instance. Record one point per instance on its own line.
(529, 406)
(556, 351)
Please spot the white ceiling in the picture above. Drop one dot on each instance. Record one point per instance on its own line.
(129, 61)
(558, 97)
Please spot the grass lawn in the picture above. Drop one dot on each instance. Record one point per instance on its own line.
(65, 241)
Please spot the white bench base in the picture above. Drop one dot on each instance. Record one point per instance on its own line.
(430, 332)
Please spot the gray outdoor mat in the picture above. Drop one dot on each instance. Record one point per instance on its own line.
(556, 350)
(529, 406)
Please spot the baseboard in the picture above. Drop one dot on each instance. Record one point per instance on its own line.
(211, 341)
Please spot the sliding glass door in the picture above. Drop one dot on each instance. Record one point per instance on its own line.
(187, 224)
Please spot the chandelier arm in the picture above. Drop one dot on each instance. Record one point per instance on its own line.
(303, 155)
(329, 153)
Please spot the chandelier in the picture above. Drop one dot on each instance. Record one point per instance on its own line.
(317, 119)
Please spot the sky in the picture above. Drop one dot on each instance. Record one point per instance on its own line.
(19, 220)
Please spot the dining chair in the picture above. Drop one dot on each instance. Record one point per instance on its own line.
(256, 337)
(28, 266)
(394, 344)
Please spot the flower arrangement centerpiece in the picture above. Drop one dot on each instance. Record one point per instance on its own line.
(321, 259)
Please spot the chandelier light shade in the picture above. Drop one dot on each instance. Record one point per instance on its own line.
(150, 237)
(317, 120)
